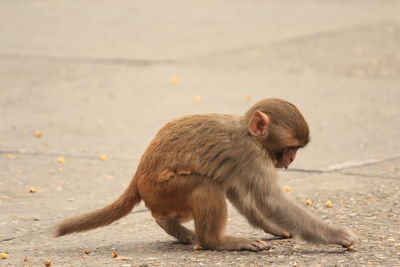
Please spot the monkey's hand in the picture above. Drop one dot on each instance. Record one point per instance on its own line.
(344, 237)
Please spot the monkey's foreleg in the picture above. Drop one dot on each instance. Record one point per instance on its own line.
(269, 198)
(254, 216)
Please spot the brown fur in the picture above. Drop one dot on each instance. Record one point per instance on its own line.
(194, 162)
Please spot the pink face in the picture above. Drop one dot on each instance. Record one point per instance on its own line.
(286, 156)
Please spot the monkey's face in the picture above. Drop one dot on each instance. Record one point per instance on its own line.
(282, 135)
(285, 157)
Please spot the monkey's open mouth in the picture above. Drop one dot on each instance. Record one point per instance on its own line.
(279, 160)
(279, 155)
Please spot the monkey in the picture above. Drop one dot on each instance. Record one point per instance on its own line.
(195, 162)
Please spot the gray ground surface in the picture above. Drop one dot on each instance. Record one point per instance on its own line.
(94, 78)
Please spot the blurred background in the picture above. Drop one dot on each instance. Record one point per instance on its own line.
(104, 76)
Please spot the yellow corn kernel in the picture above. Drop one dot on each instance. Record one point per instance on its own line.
(32, 190)
(174, 79)
(287, 188)
(37, 134)
(197, 99)
(308, 202)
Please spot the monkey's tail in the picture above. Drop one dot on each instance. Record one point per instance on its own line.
(102, 217)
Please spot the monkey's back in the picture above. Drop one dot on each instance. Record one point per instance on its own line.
(187, 145)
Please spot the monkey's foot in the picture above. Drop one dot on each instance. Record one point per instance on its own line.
(232, 243)
(186, 239)
(175, 229)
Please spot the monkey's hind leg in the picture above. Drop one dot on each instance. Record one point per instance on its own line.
(210, 214)
(175, 229)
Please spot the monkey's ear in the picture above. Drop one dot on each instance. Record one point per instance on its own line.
(258, 124)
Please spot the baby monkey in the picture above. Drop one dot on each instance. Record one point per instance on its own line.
(195, 162)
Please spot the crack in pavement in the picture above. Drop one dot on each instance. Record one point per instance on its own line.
(368, 176)
(87, 60)
(189, 59)
(339, 169)
(25, 235)
(47, 228)
(348, 166)
(344, 173)
(10, 238)
(56, 154)
(329, 169)
(288, 40)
